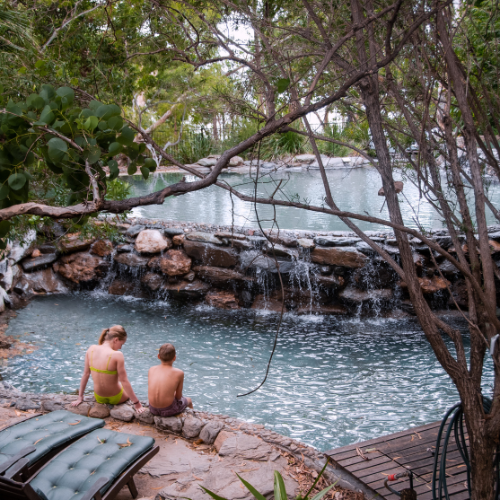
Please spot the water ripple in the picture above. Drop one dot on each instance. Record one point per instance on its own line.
(333, 381)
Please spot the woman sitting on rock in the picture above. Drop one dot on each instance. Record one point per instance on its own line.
(111, 385)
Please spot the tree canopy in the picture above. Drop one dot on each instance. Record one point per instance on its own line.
(417, 81)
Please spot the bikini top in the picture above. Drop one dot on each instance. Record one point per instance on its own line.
(109, 372)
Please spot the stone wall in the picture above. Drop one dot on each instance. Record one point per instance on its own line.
(231, 268)
(228, 435)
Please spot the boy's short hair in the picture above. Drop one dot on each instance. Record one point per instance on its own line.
(167, 352)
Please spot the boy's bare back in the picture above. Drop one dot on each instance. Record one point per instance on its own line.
(164, 384)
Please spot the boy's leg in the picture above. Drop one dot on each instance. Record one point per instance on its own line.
(190, 402)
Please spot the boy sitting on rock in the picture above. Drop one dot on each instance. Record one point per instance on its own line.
(165, 385)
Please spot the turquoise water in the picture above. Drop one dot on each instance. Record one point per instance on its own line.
(332, 382)
(353, 190)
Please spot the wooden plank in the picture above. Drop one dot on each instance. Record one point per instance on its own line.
(354, 460)
(399, 452)
(372, 463)
(381, 439)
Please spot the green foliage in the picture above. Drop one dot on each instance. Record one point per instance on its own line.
(118, 189)
(15, 31)
(50, 126)
(288, 143)
(199, 146)
(49, 145)
(279, 489)
(329, 148)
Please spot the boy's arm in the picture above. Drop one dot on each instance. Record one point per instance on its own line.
(178, 391)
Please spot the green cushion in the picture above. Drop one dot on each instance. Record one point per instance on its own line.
(45, 432)
(98, 454)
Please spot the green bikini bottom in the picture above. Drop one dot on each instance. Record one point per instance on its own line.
(112, 400)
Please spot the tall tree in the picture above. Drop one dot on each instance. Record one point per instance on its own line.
(405, 67)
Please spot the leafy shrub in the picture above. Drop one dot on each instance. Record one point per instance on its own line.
(195, 147)
(279, 489)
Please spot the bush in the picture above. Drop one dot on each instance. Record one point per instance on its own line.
(279, 489)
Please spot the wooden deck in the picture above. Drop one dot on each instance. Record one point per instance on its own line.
(398, 452)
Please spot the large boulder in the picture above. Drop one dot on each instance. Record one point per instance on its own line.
(40, 262)
(357, 296)
(268, 304)
(121, 287)
(278, 250)
(210, 431)
(151, 241)
(339, 256)
(134, 230)
(173, 263)
(19, 251)
(430, 286)
(203, 237)
(153, 281)
(220, 276)
(6, 274)
(131, 260)
(336, 310)
(186, 290)
(306, 243)
(171, 424)
(46, 281)
(99, 411)
(305, 158)
(236, 161)
(222, 300)
(102, 248)
(122, 412)
(81, 267)
(178, 240)
(74, 243)
(329, 282)
(331, 241)
(253, 259)
(211, 255)
(192, 426)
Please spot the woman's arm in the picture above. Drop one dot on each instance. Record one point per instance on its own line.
(85, 379)
(123, 379)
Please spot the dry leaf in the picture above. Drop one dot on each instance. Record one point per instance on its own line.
(38, 440)
(76, 423)
(199, 441)
(361, 454)
(102, 441)
(125, 445)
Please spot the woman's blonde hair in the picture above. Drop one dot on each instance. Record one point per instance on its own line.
(113, 332)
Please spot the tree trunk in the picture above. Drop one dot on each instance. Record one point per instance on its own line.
(482, 452)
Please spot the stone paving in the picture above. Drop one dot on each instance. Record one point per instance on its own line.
(182, 465)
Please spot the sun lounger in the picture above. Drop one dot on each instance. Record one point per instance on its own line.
(39, 439)
(97, 466)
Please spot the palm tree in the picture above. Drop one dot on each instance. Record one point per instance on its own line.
(15, 31)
